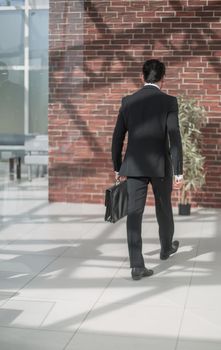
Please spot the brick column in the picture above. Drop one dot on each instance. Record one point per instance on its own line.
(66, 127)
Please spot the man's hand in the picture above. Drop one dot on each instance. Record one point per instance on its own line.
(118, 177)
(178, 182)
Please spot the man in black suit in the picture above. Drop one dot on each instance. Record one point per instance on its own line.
(153, 155)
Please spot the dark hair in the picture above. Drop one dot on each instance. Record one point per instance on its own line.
(153, 71)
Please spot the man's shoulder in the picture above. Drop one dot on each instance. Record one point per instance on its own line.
(133, 96)
(168, 96)
(170, 101)
(139, 93)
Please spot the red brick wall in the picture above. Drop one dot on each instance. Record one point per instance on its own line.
(97, 48)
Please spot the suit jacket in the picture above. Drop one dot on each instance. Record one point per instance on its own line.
(154, 147)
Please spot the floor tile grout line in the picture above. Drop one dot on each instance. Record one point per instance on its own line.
(89, 229)
(18, 238)
(70, 241)
(37, 329)
(20, 217)
(44, 318)
(7, 245)
(188, 291)
(6, 301)
(109, 283)
(51, 262)
(41, 225)
(37, 274)
(33, 277)
(54, 303)
(94, 304)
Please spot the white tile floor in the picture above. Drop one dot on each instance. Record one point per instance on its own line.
(65, 280)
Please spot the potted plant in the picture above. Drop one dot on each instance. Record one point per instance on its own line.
(191, 117)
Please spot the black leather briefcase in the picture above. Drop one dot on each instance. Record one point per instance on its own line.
(116, 202)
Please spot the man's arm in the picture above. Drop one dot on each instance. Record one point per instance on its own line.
(118, 140)
(175, 139)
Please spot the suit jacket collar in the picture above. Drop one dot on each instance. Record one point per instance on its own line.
(151, 87)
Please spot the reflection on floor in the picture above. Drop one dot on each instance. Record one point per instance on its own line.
(65, 280)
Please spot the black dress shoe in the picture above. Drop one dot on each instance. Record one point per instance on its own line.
(173, 249)
(139, 272)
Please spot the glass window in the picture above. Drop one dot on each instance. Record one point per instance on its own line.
(11, 2)
(22, 112)
(11, 101)
(38, 3)
(12, 37)
(38, 101)
(38, 40)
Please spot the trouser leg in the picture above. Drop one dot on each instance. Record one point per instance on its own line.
(162, 188)
(137, 193)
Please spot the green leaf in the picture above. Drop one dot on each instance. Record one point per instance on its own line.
(191, 118)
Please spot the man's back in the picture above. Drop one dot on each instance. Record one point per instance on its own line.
(149, 116)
